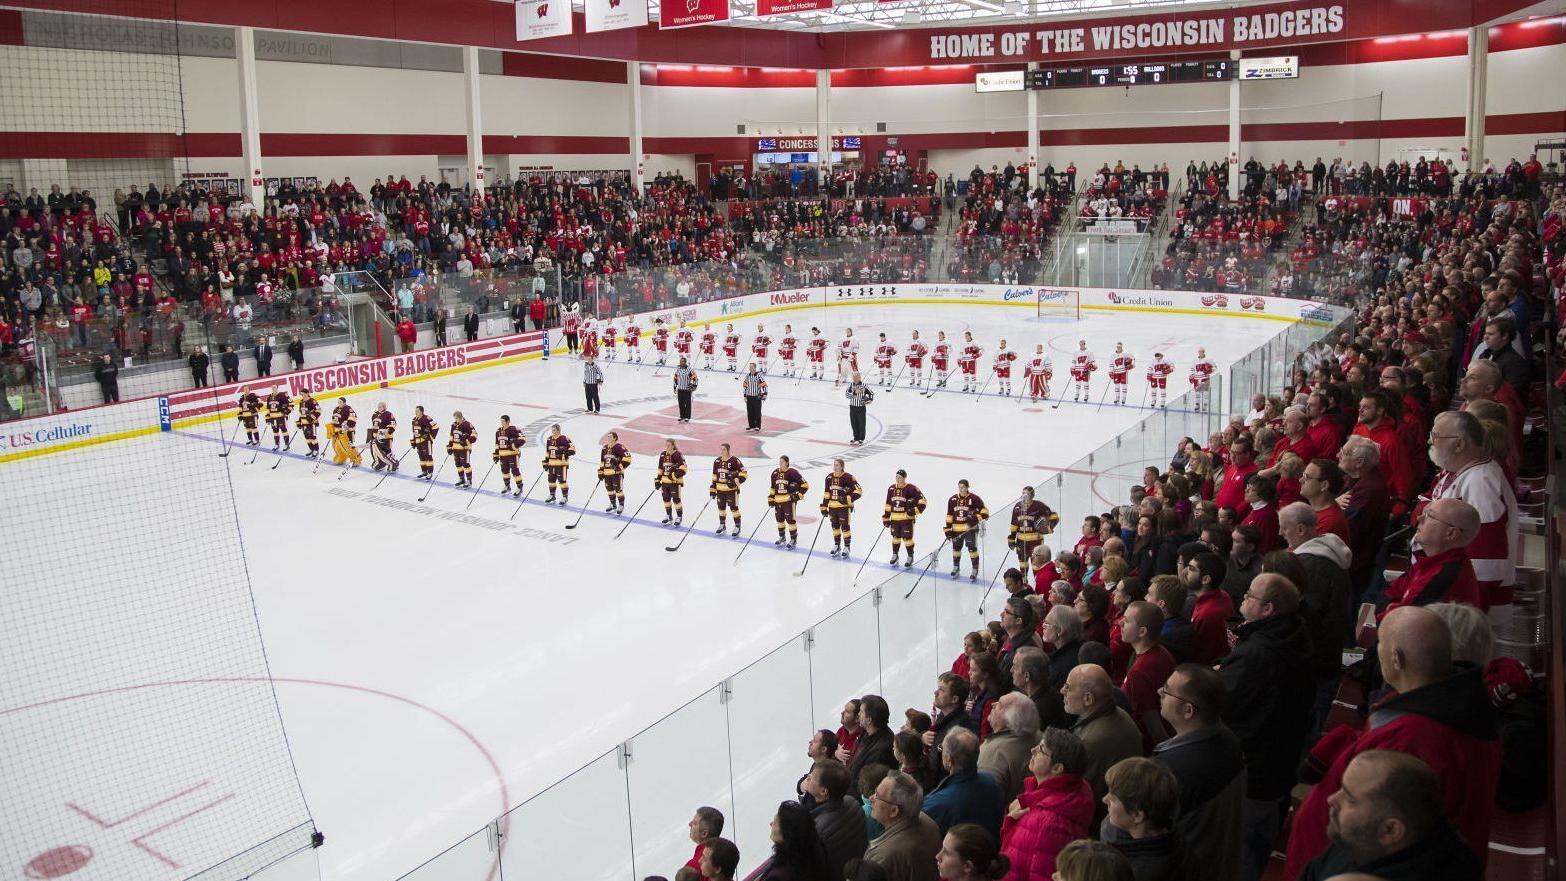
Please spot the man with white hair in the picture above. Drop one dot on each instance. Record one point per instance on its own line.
(1483, 382)
(1469, 473)
(1367, 504)
(1439, 569)
(1014, 731)
(1324, 598)
(906, 850)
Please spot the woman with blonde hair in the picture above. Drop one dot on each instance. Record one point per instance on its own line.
(1089, 860)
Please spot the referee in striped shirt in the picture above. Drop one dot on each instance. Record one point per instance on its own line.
(684, 386)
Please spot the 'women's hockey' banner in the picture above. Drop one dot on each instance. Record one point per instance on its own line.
(690, 13)
(784, 7)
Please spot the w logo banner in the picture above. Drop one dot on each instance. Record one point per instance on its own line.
(690, 13)
(610, 15)
(539, 19)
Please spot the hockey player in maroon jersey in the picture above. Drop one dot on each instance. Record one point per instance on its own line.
(383, 426)
(309, 417)
(1120, 367)
(249, 416)
(884, 353)
(1031, 520)
(709, 344)
(1082, 367)
(839, 493)
(964, 512)
(1004, 359)
(682, 341)
(760, 344)
(669, 479)
(341, 432)
(1040, 371)
(941, 360)
(660, 337)
(424, 431)
(278, 406)
(508, 454)
(786, 487)
(904, 502)
(787, 346)
(731, 342)
(1201, 380)
(558, 451)
(914, 357)
(815, 351)
(1158, 374)
(613, 459)
(728, 473)
(968, 362)
(633, 342)
(459, 443)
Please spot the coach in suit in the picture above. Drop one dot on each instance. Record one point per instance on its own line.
(470, 324)
(264, 357)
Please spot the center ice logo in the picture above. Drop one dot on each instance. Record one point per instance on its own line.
(710, 426)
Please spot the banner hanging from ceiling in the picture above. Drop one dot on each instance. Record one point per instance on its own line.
(612, 15)
(537, 19)
(690, 13)
(784, 7)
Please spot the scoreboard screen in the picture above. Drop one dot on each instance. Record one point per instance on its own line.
(1150, 74)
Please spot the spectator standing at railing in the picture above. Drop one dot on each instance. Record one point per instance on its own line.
(407, 333)
(538, 309)
(230, 364)
(200, 364)
(108, 375)
(263, 355)
(296, 352)
(470, 324)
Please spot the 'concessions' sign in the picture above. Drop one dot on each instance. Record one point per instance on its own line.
(784, 7)
(689, 13)
(1199, 30)
(612, 15)
(805, 145)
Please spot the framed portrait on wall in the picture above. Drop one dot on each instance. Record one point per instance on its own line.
(299, 183)
(232, 186)
(312, 182)
(271, 186)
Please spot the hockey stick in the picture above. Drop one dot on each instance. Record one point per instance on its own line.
(585, 503)
(871, 551)
(926, 569)
(759, 520)
(229, 444)
(436, 477)
(637, 511)
(396, 463)
(929, 389)
(985, 386)
(1105, 396)
(536, 481)
(994, 578)
(1145, 391)
(473, 495)
(253, 454)
(286, 447)
(690, 526)
(812, 550)
(349, 463)
(897, 377)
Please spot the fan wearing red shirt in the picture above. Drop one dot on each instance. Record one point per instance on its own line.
(1377, 423)
(1203, 576)
(849, 731)
(704, 827)
(1322, 429)
(1320, 485)
(1242, 464)
(1150, 669)
(1261, 511)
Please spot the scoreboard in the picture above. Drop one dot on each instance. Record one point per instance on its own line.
(1152, 73)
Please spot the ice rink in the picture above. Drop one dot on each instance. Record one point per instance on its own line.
(440, 662)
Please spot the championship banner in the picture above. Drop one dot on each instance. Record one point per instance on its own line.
(612, 15)
(537, 19)
(690, 13)
(784, 7)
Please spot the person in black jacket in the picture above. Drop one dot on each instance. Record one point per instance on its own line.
(1208, 763)
(440, 327)
(200, 363)
(951, 698)
(1387, 822)
(263, 355)
(296, 352)
(470, 325)
(518, 316)
(108, 375)
(229, 361)
(1269, 690)
(875, 740)
(839, 818)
